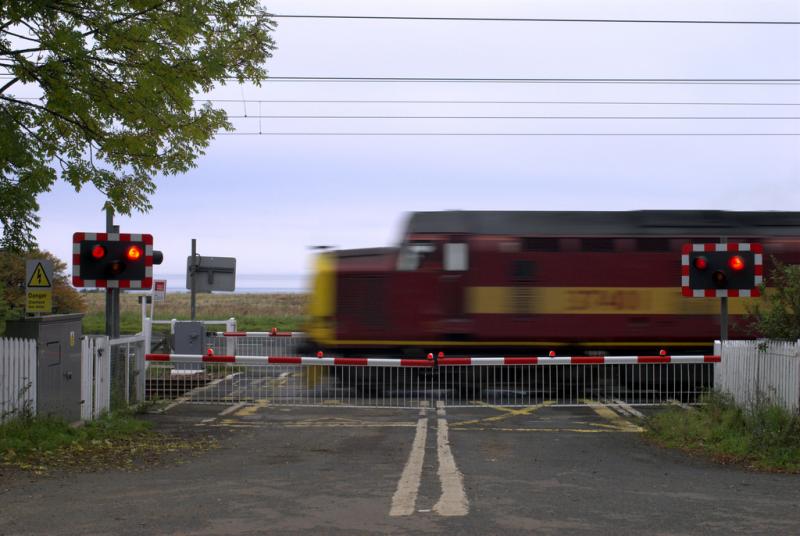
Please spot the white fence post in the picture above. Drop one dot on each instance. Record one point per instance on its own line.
(754, 371)
(230, 344)
(17, 377)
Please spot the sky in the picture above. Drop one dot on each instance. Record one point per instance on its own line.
(265, 199)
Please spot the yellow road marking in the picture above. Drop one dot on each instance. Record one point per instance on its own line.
(252, 409)
(508, 412)
(605, 412)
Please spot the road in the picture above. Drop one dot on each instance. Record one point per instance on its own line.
(477, 470)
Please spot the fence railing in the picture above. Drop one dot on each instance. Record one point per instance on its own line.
(404, 383)
(753, 372)
(127, 370)
(255, 343)
(95, 377)
(17, 377)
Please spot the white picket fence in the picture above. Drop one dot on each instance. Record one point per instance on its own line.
(760, 371)
(17, 377)
(95, 377)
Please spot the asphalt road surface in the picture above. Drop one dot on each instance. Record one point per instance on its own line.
(479, 470)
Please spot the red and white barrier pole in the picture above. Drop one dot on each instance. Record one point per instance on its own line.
(442, 361)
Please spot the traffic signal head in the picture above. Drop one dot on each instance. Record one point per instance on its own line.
(721, 270)
(118, 260)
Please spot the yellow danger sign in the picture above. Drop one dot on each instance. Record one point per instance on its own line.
(39, 301)
(39, 286)
(39, 278)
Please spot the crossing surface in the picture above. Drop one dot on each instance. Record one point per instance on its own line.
(475, 470)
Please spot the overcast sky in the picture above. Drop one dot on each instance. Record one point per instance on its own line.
(265, 199)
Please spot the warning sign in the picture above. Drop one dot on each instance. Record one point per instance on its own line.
(159, 290)
(39, 277)
(38, 286)
(39, 301)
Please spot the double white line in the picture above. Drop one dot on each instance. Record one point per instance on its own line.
(453, 500)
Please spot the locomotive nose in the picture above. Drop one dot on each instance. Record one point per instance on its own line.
(323, 298)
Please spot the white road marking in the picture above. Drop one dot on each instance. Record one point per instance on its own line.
(453, 501)
(405, 498)
(633, 412)
(231, 409)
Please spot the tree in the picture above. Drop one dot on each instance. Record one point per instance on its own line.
(779, 316)
(101, 92)
(12, 285)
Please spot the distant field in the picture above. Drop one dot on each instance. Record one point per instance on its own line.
(253, 312)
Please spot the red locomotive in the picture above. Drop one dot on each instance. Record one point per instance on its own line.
(469, 282)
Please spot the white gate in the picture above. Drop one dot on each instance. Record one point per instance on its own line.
(95, 377)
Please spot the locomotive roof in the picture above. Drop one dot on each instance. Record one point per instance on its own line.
(711, 223)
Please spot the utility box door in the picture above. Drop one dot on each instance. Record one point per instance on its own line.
(189, 338)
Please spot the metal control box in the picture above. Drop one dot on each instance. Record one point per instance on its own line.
(189, 338)
(58, 348)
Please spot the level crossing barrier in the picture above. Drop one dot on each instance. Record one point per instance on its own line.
(406, 383)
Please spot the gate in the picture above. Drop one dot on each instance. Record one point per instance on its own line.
(407, 383)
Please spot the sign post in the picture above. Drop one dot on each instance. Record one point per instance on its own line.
(207, 274)
(38, 286)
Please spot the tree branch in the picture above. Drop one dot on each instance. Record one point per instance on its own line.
(8, 84)
(61, 116)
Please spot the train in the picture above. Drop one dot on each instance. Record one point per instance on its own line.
(525, 282)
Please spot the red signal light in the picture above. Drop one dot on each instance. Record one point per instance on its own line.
(701, 263)
(133, 253)
(736, 263)
(98, 252)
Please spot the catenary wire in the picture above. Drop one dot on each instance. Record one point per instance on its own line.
(467, 80)
(581, 117)
(611, 134)
(615, 103)
(535, 19)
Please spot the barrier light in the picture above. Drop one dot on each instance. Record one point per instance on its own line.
(736, 263)
(133, 253)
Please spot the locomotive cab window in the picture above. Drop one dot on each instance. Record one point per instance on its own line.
(411, 255)
(456, 257)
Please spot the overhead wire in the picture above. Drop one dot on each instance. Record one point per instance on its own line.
(578, 102)
(501, 80)
(559, 117)
(536, 19)
(466, 134)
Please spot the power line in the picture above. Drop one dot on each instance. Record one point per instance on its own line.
(534, 19)
(616, 103)
(581, 117)
(434, 79)
(467, 80)
(465, 134)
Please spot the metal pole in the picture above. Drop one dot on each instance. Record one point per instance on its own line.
(723, 308)
(723, 319)
(112, 294)
(192, 275)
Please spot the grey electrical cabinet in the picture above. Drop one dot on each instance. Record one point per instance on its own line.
(58, 348)
(190, 337)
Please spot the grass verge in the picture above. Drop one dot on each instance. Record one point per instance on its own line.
(765, 438)
(253, 312)
(117, 440)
